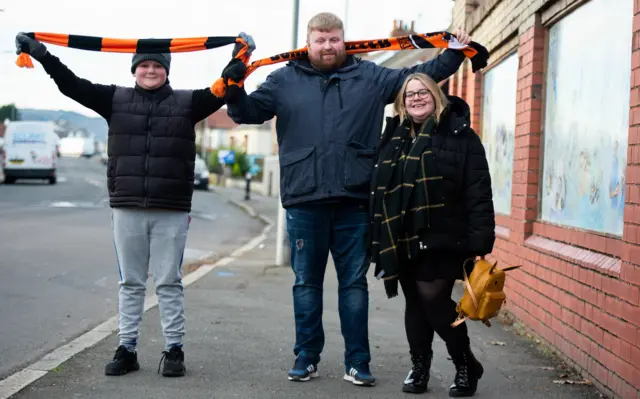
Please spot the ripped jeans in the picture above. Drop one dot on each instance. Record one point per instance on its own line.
(313, 231)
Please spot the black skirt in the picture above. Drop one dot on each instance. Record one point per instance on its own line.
(433, 265)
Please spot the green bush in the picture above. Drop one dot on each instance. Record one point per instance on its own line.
(243, 163)
(212, 162)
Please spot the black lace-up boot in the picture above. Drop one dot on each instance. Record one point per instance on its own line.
(418, 377)
(468, 372)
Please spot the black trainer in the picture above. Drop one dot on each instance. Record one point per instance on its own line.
(468, 372)
(123, 362)
(173, 362)
(418, 377)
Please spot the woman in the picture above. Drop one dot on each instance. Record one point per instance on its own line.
(431, 209)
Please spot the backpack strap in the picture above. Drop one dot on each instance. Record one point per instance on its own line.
(467, 285)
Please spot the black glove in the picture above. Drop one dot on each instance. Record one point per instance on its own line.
(25, 44)
(235, 70)
(249, 40)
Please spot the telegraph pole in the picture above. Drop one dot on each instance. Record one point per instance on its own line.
(281, 222)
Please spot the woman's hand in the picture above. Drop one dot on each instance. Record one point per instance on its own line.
(462, 36)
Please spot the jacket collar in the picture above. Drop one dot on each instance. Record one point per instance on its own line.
(158, 94)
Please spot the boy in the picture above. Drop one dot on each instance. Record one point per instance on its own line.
(151, 148)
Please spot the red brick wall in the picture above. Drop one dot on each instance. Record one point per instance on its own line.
(579, 291)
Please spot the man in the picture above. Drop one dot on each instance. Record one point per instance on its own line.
(150, 182)
(329, 111)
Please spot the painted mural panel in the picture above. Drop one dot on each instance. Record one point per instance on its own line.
(586, 125)
(498, 127)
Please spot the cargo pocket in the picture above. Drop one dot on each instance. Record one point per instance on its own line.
(358, 166)
(298, 172)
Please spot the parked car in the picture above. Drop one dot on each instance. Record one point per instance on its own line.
(201, 174)
(30, 151)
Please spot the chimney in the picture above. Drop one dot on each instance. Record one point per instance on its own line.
(399, 29)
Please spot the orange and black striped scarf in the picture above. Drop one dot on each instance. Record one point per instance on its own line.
(474, 51)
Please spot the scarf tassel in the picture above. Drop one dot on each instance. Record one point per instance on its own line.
(24, 61)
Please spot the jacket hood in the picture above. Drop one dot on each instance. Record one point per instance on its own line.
(456, 116)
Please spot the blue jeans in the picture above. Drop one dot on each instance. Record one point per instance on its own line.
(313, 231)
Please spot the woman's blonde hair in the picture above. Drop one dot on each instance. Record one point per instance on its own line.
(437, 93)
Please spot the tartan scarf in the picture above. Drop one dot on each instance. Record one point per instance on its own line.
(474, 51)
(401, 202)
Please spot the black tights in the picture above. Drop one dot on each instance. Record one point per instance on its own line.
(429, 309)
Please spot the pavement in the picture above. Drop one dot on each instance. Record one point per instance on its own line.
(240, 334)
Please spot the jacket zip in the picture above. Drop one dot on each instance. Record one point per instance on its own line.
(339, 93)
(146, 157)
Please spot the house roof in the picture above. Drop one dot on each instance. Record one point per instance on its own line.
(220, 120)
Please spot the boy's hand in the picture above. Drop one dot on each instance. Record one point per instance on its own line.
(249, 40)
(25, 44)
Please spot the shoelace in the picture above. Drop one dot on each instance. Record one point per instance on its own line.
(167, 355)
(462, 375)
(164, 355)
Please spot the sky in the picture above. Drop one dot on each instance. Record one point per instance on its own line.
(269, 22)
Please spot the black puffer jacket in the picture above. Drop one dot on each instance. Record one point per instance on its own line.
(151, 149)
(151, 144)
(466, 222)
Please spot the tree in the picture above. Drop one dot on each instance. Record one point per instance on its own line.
(10, 112)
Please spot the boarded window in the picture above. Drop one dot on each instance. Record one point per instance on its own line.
(498, 127)
(586, 125)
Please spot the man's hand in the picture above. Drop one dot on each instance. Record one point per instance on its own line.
(250, 42)
(235, 71)
(463, 37)
(25, 44)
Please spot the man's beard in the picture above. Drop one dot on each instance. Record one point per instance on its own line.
(327, 65)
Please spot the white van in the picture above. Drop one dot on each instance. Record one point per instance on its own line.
(30, 151)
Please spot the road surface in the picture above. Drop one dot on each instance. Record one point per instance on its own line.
(58, 272)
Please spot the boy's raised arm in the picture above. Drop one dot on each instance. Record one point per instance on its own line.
(92, 95)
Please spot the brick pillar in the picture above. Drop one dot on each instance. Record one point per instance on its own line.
(526, 159)
(453, 86)
(465, 70)
(630, 269)
(474, 98)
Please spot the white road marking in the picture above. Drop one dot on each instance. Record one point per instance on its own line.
(94, 182)
(23, 378)
(63, 204)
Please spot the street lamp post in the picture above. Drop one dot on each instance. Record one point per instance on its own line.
(280, 223)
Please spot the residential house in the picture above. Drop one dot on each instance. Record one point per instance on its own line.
(212, 132)
(252, 139)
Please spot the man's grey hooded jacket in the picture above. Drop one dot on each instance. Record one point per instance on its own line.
(328, 124)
